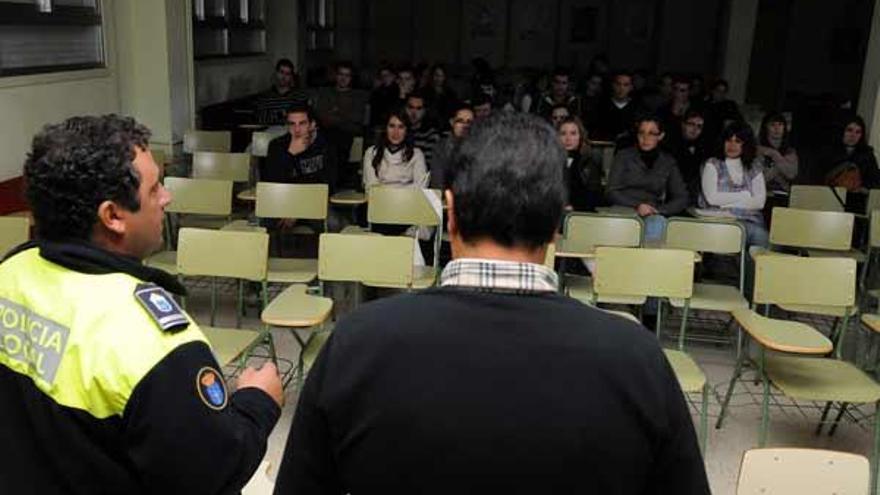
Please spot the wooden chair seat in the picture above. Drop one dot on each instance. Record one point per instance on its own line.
(781, 335)
(821, 379)
(690, 377)
(714, 297)
(293, 308)
(292, 270)
(229, 343)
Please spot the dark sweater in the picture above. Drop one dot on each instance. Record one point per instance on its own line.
(316, 165)
(632, 182)
(584, 180)
(458, 391)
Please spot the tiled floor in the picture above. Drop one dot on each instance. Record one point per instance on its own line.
(789, 427)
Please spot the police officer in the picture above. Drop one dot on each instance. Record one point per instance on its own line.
(106, 385)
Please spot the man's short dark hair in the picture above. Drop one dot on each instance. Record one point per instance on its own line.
(481, 99)
(75, 166)
(344, 64)
(561, 71)
(302, 108)
(649, 117)
(416, 94)
(284, 62)
(506, 179)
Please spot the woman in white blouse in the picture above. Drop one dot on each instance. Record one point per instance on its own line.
(733, 181)
(394, 160)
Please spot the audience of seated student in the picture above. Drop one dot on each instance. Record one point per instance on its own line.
(583, 175)
(482, 104)
(439, 95)
(460, 124)
(733, 181)
(394, 160)
(558, 114)
(615, 116)
(341, 109)
(560, 94)
(647, 179)
(849, 162)
(384, 95)
(690, 149)
(778, 156)
(422, 131)
(271, 106)
(674, 110)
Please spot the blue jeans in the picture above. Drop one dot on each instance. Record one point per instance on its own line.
(655, 227)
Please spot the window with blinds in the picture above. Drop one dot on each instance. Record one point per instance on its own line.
(228, 28)
(38, 36)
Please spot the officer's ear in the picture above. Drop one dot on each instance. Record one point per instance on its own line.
(112, 217)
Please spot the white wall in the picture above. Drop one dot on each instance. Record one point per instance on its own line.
(27, 103)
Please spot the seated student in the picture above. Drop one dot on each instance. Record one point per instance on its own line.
(394, 159)
(733, 181)
(647, 179)
(422, 131)
(460, 123)
(271, 106)
(302, 156)
(779, 158)
(439, 95)
(583, 175)
(850, 162)
(689, 148)
(558, 114)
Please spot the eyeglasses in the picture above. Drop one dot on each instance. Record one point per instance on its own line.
(411, 107)
(698, 125)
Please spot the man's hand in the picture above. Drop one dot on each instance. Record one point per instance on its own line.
(265, 379)
(646, 210)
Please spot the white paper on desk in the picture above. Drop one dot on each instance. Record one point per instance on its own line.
(434, 200)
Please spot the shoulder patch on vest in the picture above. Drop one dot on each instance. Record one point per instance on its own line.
(161, 307)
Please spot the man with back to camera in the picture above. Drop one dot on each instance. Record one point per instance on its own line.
(493, 382)
(113, 389)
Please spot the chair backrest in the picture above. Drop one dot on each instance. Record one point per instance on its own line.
(550, 256)
(223, 253)
(795, 280)
(820, 198)
(706, 236)
(584, 231)
(356, 152)
(199, 196)
(194, 140)
(802, 472)
(13, 231)
(375, 259)
(644, 272)
(260, 142)
(873, 202)
(401, 206)
(221, 166)
(304, 201)
(874, 230)
(811, 229)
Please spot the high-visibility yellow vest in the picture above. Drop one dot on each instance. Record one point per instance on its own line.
(83, 339)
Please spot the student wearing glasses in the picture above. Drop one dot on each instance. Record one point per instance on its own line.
(689, 148)
(647, 179)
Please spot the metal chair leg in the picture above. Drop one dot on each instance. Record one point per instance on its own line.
(822, 419)
(838, 418)
(737, 372)
(765, 404)
(704, 419)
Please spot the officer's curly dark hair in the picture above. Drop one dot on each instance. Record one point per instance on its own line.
(76, 165)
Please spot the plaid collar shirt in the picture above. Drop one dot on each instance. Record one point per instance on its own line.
(499, 276)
